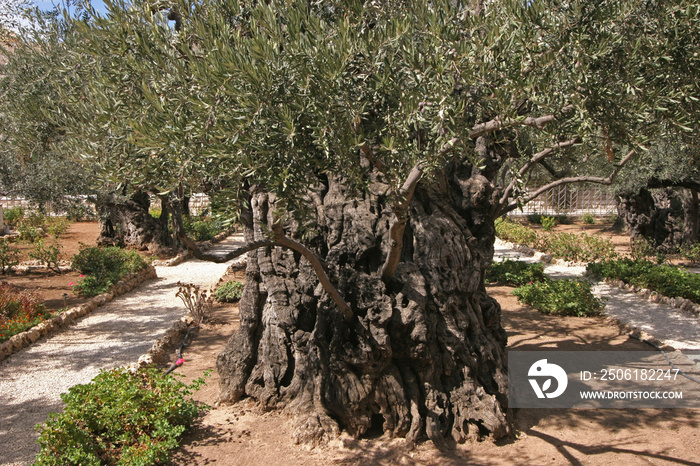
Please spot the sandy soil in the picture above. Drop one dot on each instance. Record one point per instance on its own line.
(242, 434)
(50, 285)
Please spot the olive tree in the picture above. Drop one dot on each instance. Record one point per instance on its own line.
(369, 146)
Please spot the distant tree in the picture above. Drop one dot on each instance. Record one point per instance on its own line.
(369, 147)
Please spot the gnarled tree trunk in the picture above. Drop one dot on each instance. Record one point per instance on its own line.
(426, 353)
(125, 221)
(667, 218)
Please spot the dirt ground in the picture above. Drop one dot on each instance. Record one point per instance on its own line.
(242, 434)
(50, 285)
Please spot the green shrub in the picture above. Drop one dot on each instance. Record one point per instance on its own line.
(563, 219)
(9, 257)
(120, 418)
(665, 279)
(104, 267)
(19, 310)
(534, 218)
(588, 219)
(515, 232)
(57, 226)
(47, 255)
(13, 216)
(576, 248)
(548, 223)
(201, 228)
(229, 292)
(642, 250)
(560, 297)
(515, 273)
(691, 252)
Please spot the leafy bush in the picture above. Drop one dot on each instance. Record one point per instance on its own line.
(642, 250)
(548, 223)
(19, 310)
(9, 257)
(119, 418)
(588, 219)
(229, 292)
(57, 226)
(563, 219)
(47, 255)
(513, 272)
(104, 267)
(515, 232)
(534, 218)
(13, 216)
(560, 297)
(201, 228)
(692, 253)
(665, 279)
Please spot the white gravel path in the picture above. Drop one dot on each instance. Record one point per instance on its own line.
(115, 334)
(667, 324)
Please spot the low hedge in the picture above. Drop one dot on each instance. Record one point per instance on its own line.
(664, 279)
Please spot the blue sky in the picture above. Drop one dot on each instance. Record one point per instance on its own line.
(49, 4)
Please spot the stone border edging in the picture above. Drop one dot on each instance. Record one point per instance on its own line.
(172, 337)
(682, 304)
(68, 317)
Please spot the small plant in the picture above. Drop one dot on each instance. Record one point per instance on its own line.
(229, 292)
(9, 257)
(515, 232)
(563, 219)
(50, 255)
(201, 228)
(13, 216)
(642, 249)
(119, 418)
(560, 297)
(535, 219)
(588, 219)
(104, 267)
(19, 310)
(548, 223)
(57, 226)
(691, 252)
(513, 272)
(665, 279)
(196, 301)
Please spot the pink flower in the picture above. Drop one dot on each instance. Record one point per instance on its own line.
(81, 275)
(179, 362)
(70, 284)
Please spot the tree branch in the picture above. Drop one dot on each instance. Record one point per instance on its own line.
(534, 161)
(397, 228)
(570, 180)
(283, 241)
(496, 124)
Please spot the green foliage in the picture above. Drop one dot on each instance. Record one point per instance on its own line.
(104, 267)
(9, 257)
(665, 279)
(534, 218)
(588, 219)
(56, 226)
(201, 228)
(13, 216)
(19, 310)
(576, 247)
(691, 252)
(229, 292)
(548, 223)
(514, 232)
(568, 246)
(48, 255)
(515, 273)
(560, 297)
(31, 227)
(642, 250)
(120, 418)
